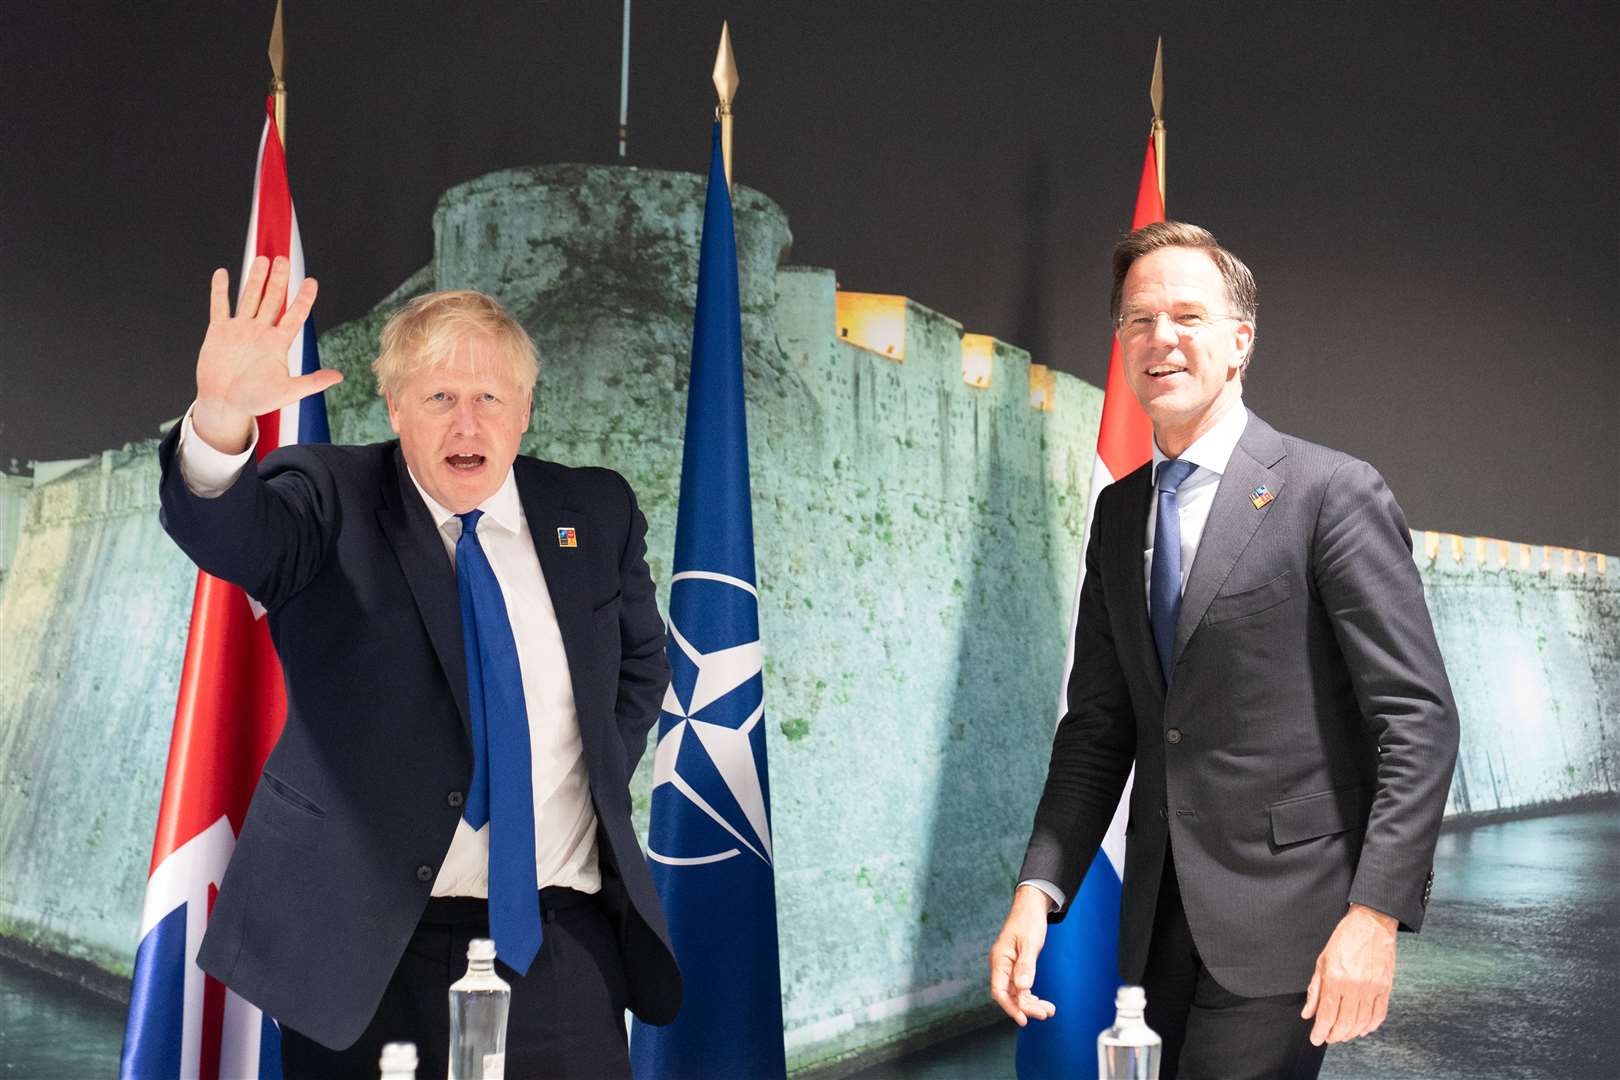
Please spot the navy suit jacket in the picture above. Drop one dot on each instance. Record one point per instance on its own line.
(1301, 755)
(360, 797)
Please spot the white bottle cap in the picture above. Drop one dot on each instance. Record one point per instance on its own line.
(1130, 999)
(480, 948)
(398, 1057)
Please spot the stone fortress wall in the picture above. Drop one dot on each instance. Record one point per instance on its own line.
(919, 497)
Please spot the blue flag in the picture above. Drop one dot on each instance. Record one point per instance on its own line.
(710, 837)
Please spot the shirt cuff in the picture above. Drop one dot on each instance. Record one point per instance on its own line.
(1053, 893)
(209, 473)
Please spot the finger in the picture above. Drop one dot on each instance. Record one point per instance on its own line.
(1355, 1010)
(1000, 976)
(1327, 1014)
(315, 382)
(275, 292)
(1311, 993)
(1380, 1012)
(253, 287)
(219, 296)
(1035, 1008)
(298, 309)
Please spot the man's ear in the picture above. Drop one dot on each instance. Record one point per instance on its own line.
(393, 413)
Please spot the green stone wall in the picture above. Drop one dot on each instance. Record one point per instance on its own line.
(916, 539)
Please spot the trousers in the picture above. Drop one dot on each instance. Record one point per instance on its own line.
(567, 1014)
(1208, 1031)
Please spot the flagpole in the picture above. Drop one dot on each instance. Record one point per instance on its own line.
(278, 64)
(624, 85)
(725, 84)
(1156, 95)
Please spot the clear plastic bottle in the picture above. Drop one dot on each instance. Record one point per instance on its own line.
(478, 1004)
(398, 1061)
(1130, 1050)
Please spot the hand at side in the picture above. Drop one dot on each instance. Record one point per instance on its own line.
(1012, 957)
(1349, 993)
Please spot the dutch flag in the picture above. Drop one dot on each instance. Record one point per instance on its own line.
(231, 707)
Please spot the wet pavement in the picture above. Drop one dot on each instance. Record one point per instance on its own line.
(1516, 974)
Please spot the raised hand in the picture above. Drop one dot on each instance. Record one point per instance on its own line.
(242, 366)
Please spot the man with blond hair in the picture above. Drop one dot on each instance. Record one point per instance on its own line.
(473, 658)
(1252, 636)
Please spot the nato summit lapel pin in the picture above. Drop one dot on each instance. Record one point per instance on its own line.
(566, 537)
(1261, 496)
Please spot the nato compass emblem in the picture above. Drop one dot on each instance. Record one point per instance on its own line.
(709, 791)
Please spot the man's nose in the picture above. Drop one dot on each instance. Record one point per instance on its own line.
(1165, 330)
(464, 418)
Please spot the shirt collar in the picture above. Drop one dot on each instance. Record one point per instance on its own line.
(503, 508)
(1213, 449)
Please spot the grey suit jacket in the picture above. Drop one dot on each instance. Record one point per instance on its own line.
(1301, 756)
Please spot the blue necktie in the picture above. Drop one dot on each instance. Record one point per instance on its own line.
(1164, 596)
(502, 788)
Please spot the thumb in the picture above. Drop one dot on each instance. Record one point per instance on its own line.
(316, 381)
(1024, 969)
(1311, 993)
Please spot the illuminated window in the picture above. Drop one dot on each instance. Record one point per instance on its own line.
(977, 350)
(1042, 387)
(873, 321)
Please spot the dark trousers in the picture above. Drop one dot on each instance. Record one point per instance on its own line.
(1207, 1030)
(567, 1013)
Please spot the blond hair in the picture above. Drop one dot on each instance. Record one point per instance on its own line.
(424, 335)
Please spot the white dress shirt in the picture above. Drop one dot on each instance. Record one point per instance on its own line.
(1194, 499)
(564, 816)
(1196, 495)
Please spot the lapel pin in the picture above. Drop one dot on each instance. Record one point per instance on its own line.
(1261, 496)
(566, 537)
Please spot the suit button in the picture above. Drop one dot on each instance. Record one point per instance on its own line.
(455, 798)
(1174, 735)
(424, 872)
(1163, 814)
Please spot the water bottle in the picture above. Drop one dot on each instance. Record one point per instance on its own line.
(398, 1061)
(478, 1004)
(1130, 1050)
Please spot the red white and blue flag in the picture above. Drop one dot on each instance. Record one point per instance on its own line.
(230, 712)
(1078, 969)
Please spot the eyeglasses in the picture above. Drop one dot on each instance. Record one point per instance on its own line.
(1138, 323)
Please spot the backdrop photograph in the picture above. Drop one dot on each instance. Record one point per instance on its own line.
(804, 429)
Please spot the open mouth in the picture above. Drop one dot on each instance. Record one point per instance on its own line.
(1164, 371)
(465, 462)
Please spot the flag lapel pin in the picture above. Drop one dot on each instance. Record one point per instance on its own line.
(566, 537)
(1261, 496)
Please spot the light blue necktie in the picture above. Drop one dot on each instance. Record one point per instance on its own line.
(502, 788)
(1164, 596)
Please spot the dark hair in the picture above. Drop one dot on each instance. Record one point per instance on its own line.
(1240, 288)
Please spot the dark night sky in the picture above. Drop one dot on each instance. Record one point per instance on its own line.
(1427, 193)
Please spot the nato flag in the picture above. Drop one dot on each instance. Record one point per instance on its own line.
(710, 837)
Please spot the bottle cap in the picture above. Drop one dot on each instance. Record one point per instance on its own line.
(398, 1057)
(1131, 998)
(480, 948)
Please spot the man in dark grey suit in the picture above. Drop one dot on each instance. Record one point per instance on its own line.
(1253, 636)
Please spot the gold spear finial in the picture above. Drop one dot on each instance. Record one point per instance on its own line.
(725, 84)
(1156, 95)
(278, 64)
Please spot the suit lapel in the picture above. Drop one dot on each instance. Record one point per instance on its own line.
(561, 537)
(409, 529)
(1128, 570)
(1233, 520)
